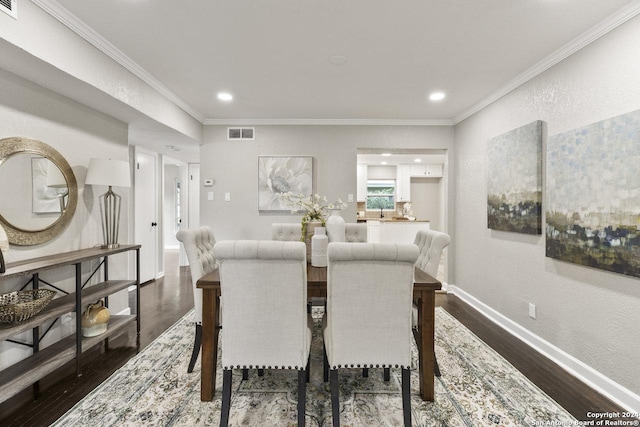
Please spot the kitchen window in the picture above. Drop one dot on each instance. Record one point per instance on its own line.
(381, 194)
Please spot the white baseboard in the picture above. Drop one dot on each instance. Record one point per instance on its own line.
(594, 379)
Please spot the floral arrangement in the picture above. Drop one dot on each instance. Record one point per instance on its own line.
(314, 207)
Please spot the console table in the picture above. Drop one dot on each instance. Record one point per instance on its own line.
(44, 361)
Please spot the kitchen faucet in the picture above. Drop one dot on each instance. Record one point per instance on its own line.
(381, 214)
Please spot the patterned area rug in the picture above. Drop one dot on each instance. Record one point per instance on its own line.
(477, 388)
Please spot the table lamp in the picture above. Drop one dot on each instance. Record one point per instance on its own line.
(56, 180)
(4, 247)
(112, 173)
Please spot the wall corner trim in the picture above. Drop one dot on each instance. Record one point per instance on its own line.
(609, 388)
(60, 13)
(583, 40)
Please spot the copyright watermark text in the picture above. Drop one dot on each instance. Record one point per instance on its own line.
(595, 419)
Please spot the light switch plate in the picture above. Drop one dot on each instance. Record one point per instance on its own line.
(210, 195)
(532, 310)
(227, 197)
(350, 198)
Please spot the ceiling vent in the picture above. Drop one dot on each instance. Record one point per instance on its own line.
(246, 134)
(9, 7)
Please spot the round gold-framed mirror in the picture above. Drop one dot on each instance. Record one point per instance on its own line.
(39, 192)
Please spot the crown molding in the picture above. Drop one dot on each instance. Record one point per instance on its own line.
(328, 122)
(612, 22)
(59, 12)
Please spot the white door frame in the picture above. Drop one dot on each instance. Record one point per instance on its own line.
(184, 204)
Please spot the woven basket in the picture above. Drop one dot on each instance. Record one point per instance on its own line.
(20, 305)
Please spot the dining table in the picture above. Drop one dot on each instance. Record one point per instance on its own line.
(424, 288)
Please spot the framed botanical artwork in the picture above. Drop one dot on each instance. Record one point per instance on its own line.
(514, 187)
(593, 195)
(280, 174)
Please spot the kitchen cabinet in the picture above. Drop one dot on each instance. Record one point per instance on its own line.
(394, 231)
(426, 171)
(403, 183)
(44, 361)
(361, 182)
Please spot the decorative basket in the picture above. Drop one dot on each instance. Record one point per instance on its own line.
(20, 305)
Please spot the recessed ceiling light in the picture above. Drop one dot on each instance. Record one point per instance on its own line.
(338, 59)
(417, 160)
(386, 154)
(224, 96)
(437, 96)
(383, 163)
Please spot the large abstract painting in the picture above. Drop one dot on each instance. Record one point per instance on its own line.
(280, 174)
(593, 195)
(514, 187)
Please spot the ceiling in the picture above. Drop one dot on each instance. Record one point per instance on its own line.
(275, 56)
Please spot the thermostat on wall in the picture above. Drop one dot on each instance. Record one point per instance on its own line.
(207, 182)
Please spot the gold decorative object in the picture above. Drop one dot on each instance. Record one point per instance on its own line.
(20, 234)
(95, 319)
(21, 305)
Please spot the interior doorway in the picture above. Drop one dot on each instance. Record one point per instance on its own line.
(175, 211)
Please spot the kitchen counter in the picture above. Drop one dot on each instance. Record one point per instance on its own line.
(389, 230)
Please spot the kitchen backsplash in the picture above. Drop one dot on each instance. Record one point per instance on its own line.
(362, 209)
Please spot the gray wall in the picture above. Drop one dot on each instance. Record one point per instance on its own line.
(233, 166)
(77, 133)
(590, 314)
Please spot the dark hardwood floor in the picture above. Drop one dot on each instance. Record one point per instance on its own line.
(162, 303)
(572, 394)
(166, 300)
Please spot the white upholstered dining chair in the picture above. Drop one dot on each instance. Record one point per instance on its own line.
(368, 318)
(354, 232)
(430, 244)
(198, 244)
(256, 276)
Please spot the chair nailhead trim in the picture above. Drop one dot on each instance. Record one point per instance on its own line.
(366, 365)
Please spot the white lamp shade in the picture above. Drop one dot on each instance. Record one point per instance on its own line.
(108, 172)
(55, 179)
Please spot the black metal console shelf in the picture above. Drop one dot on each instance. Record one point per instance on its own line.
(42, 362)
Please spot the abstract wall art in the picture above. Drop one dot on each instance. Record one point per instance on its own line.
(280, 174)
(593, 195)
(514, 187)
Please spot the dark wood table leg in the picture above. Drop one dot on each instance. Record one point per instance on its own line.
(209, 344)
(426, 319)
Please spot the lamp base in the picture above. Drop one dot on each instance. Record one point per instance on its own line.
(110, 212)
(110, 246)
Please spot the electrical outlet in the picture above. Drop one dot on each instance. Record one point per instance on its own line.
(532, 310)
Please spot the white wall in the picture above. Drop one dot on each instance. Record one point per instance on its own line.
(426, 200)
(78, 133)
(233, 165)
(590, 314)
